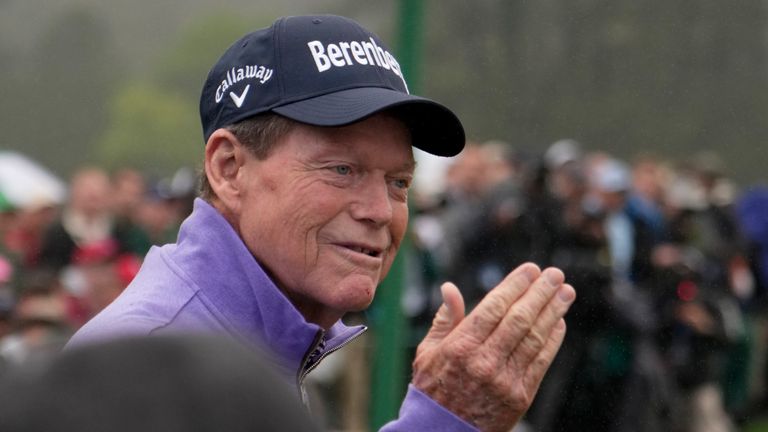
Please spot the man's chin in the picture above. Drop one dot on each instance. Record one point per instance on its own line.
(360, 307)
(356, 296)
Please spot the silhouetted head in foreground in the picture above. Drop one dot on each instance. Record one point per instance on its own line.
(151, 384)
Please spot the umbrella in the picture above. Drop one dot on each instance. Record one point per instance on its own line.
(26, 184)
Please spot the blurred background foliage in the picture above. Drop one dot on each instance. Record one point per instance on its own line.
(117, 83)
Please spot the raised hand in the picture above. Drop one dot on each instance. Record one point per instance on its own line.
(487, 366)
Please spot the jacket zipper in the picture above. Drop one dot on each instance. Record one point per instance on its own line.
(303, 369)
(307, 367)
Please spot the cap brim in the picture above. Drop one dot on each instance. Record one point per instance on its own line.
(434, 128)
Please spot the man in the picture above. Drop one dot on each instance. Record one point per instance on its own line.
(87, 220)
(309, 128)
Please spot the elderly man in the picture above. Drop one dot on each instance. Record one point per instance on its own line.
(309, 129)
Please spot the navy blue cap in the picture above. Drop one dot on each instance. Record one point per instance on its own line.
(321, 70)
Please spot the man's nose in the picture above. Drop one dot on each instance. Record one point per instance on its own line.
(373, 204)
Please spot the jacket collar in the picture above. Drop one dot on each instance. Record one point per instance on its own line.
(239, 292)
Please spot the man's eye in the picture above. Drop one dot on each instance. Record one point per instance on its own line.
(342, 169)
(401, 183)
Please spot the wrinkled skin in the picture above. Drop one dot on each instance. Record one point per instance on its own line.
(306, 211)
(487, 366)
(309, 210)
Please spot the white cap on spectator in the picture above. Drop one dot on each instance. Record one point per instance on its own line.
(612, 175)
(562, 152)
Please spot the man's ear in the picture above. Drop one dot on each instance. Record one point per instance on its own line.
(225, 155)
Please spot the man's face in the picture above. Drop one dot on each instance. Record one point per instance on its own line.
(325, 213)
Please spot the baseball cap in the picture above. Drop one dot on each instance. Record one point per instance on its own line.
(612, 175)
(322, 70)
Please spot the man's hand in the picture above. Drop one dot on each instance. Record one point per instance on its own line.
(486, 367)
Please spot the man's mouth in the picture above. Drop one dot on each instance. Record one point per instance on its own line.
(372, 252)
(368, 252)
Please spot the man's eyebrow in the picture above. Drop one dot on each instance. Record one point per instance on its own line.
(410, 166)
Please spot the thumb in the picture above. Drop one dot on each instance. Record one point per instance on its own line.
(450, 314)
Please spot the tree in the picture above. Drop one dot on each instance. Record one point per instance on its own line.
(154, 123)
(151, 128)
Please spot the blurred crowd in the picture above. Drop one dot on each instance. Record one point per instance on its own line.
(63, 260)
(669, 260)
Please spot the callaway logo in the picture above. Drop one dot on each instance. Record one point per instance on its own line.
(238, 100)
(346, 53)
(236, 75)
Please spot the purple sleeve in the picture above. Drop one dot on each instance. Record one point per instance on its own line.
(420, 413)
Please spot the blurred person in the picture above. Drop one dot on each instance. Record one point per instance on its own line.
(129, 191)
(149, 213)
(627, 238)
(181, 189)
(470, 180)
(751, 212)
(718, 234)
(693, 334)
(129, 187)
(467, 177)
(695, 287)
(40, 320)
(645, 198)
(608, 361)
(159, 217)
(86, 218)
(752, 215)
(500, 235)
(710, 225)
(461, 203)
(558, 192)
(168, 384)
(26, 238)
(559, 161)
(35, 196)
(168, 202)
(628, 243)
(579, 391)
(502, 164)
(104, 272)
(712, 229)
(458, 204)
(302, 215)
(589, 384)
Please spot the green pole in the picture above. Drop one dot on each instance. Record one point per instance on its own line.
(410, 41)
(390, 372)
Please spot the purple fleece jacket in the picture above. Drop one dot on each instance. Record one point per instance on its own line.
(208, 282)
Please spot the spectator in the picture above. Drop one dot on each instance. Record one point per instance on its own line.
(87, 218)
(171, 384)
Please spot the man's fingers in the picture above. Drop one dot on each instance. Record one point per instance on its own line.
(484, 318)
(536, 370)
(535, 340)
(524, 313)
(453, 301)
(450, 314)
